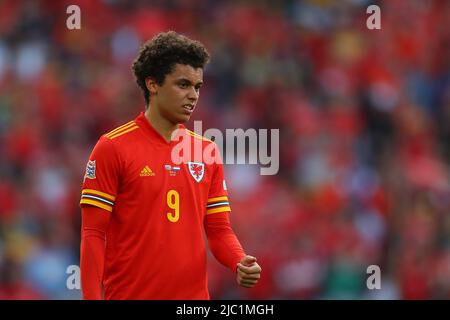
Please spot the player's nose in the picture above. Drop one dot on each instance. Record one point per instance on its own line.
(193, 94)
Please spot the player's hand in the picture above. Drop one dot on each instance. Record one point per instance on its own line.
(248, 272)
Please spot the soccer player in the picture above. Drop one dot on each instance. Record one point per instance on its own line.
(143, 215)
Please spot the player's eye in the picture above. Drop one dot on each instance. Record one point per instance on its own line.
(183, 85)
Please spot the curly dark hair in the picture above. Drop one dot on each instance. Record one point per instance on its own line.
(158, 56)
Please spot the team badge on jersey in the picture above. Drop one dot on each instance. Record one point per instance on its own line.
(90, 170)
(197, 170)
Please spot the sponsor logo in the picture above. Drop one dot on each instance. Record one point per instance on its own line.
(147, 172)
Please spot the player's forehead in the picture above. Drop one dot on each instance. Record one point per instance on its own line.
(184, 71)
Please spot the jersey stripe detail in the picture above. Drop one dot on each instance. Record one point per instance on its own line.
(98, 199)
(117, 131)
(98, 193)
(123, 132)
(216, 210)
(224, 198)
(126, 125)
(218, 204)
(196, 135)
(96, 204)
(85, 196)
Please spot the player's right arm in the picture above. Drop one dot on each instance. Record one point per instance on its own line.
(98, 195)
(92, 251)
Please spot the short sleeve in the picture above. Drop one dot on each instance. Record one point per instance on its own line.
(218, 194)
(101, 179)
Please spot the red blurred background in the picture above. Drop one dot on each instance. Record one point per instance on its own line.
(364, 137)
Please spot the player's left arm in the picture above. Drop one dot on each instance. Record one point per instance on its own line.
(227, 249)
(222, 240)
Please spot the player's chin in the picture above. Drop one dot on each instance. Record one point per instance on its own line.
(183, 117)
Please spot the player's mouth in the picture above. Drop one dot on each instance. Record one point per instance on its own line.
(189, 108)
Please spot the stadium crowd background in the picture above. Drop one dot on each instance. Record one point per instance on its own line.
(364, 149)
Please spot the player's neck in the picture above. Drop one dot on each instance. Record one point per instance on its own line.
(164, 127)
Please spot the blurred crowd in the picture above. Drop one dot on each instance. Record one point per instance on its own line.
(364, 119)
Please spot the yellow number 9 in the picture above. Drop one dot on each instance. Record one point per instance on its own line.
(173, 201)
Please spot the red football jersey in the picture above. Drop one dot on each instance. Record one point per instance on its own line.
(154, 242)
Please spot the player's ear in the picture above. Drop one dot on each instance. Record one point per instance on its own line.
(151, 86)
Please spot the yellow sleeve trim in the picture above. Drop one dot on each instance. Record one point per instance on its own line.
(217, 199)
(96, 204)
(98, 193)
(123, 132)
(216, 210)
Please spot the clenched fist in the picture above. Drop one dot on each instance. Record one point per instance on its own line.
(248, 272)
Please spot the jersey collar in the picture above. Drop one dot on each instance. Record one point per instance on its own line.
(154, 135)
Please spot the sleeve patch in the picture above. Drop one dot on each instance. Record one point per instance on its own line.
(90, 170)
